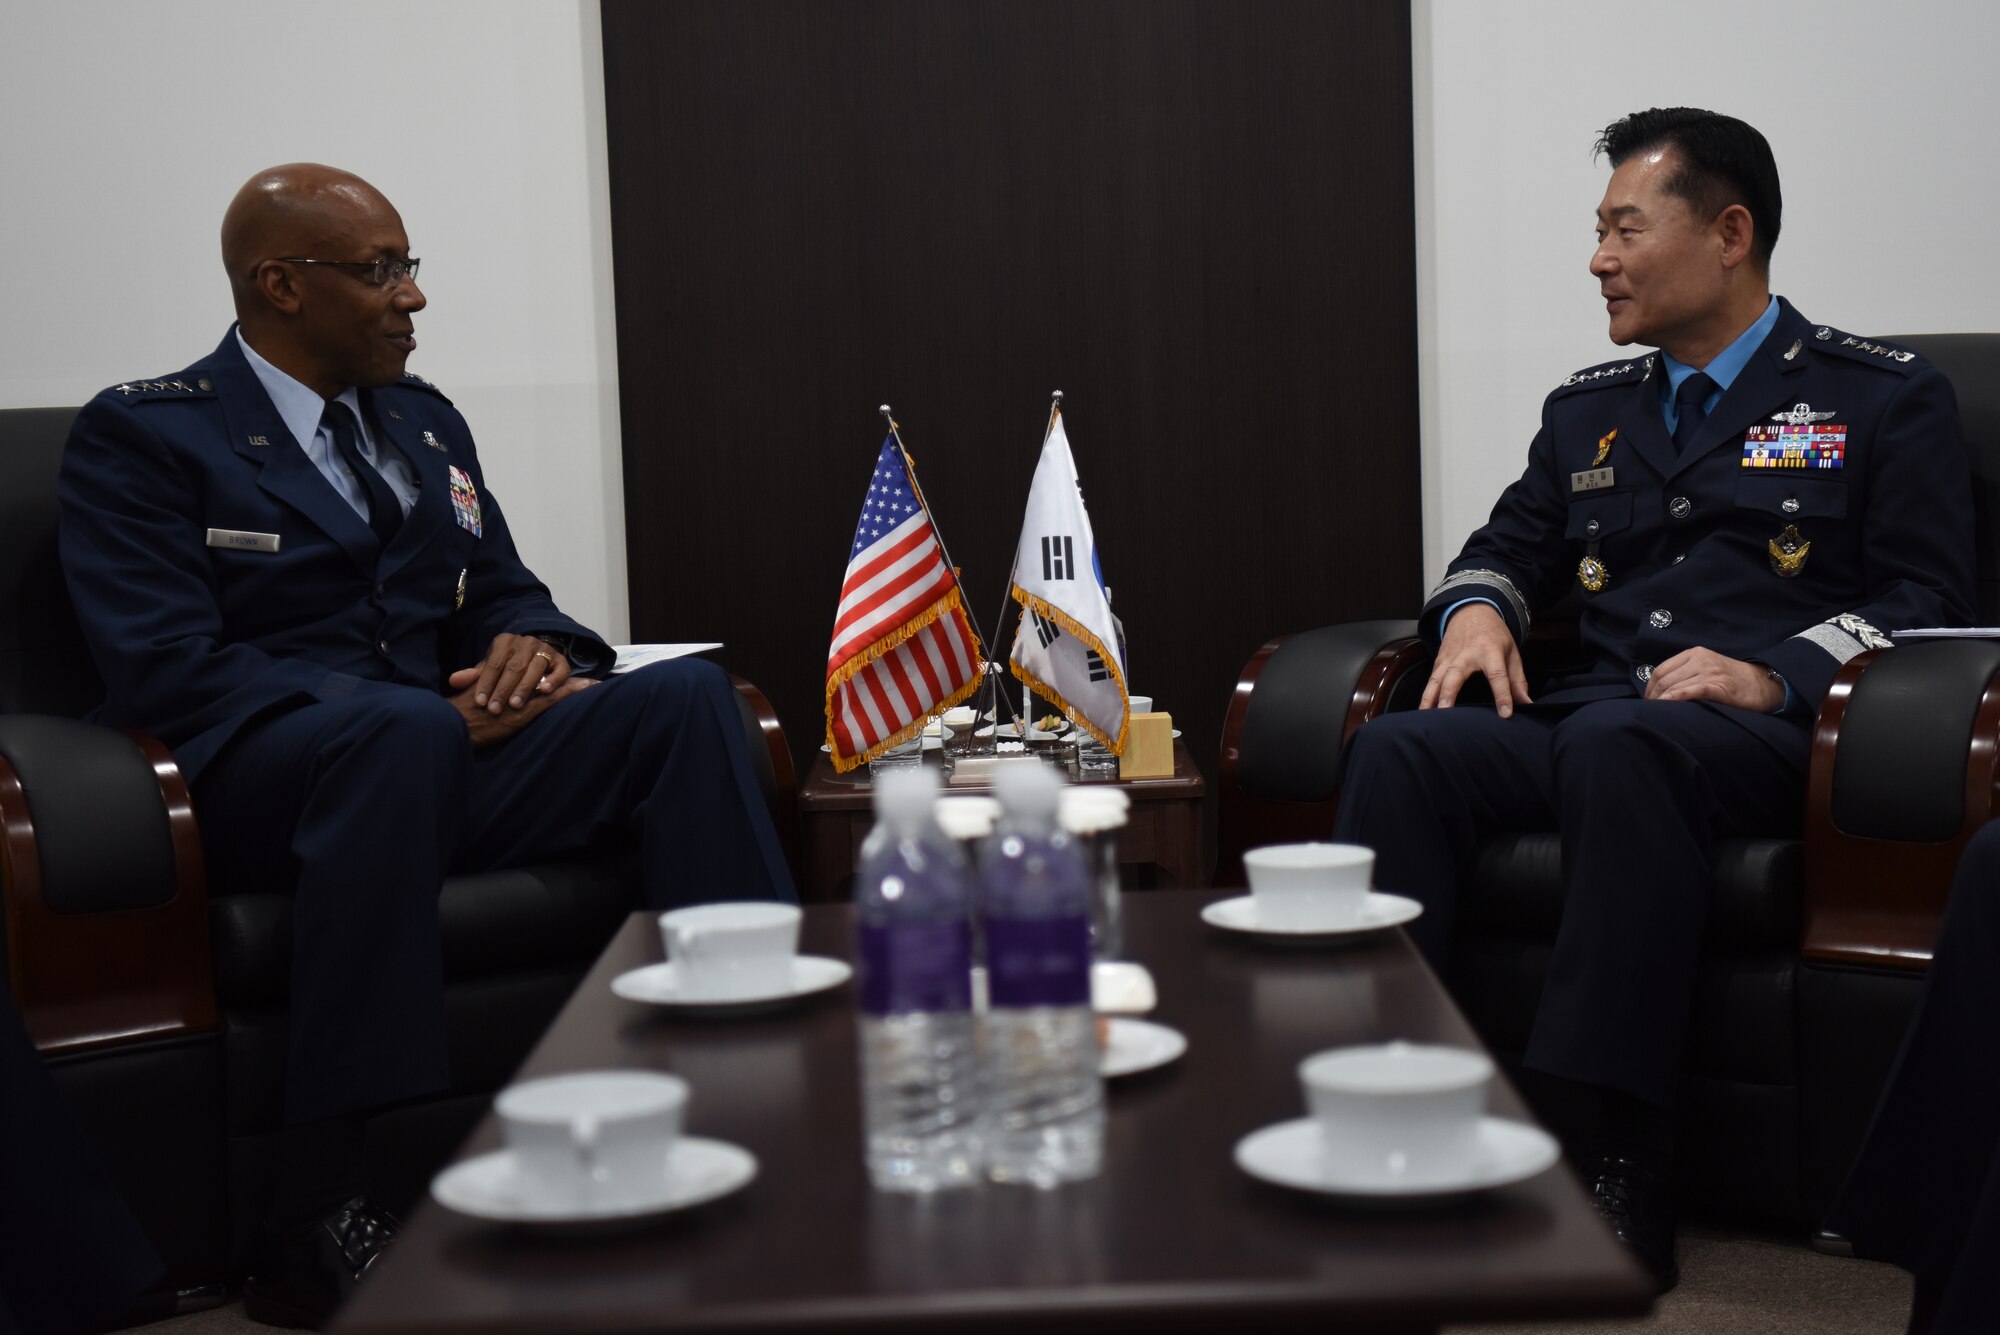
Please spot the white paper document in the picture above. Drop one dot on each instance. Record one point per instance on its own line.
(638, 655)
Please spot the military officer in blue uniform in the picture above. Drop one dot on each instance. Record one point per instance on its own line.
(290, 568)
(1739, 512)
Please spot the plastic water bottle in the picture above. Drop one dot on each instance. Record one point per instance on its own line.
(1044, 1095)
(919, 1054)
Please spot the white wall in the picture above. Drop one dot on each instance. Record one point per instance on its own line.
(126, 125)
(1880, 116)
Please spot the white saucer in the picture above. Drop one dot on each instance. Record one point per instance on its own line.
(930, 744)
(658, 985)
(1379, 912)
(698, 1171)
(1034, 734)
(1133, 1046)
(1287, 1155)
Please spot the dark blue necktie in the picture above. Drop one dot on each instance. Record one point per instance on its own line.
(385, 512)
(1689, 413)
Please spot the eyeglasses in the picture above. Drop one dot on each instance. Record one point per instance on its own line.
(382, 273)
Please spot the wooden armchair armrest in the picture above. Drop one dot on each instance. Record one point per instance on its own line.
(784, 776)
(1905, 768)
(106, 903)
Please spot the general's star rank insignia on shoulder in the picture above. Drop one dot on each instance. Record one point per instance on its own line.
(465, 502)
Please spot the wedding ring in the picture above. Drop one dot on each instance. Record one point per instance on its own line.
(543, 655)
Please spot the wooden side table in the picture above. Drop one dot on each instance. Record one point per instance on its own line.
(1163, 831)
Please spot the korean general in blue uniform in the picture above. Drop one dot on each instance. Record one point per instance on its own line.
(291, 569)
(1739, 513)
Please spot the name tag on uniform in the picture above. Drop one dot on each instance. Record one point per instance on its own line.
(1591, 479)
(238, 540)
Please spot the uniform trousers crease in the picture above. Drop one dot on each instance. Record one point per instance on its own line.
(363, 804)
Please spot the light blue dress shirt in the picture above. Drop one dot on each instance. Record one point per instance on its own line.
(1728, 364)
(302, 408)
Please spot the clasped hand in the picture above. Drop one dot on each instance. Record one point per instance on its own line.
(1477, 642)
(517, 681)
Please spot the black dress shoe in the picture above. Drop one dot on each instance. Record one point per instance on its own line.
(304, 1275)
(1637, 1201)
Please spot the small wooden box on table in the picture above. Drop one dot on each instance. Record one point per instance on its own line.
(1163, 831)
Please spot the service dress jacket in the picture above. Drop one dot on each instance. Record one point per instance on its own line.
(218, 576)
(1825, 502)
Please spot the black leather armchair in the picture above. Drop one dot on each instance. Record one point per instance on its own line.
(1816, 945)
(161, 1010)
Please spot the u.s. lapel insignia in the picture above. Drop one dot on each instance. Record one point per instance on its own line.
(465, 502)
(458, 599)
(260, 440)
(432, 441)
(1591, 572)
(1789, 552)
(1603, 448)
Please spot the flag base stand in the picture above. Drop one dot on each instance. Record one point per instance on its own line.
(979, 770)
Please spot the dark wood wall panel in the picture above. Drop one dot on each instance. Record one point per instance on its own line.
(1194, 217)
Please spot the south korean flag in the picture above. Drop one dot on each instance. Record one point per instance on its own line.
(1066, 643)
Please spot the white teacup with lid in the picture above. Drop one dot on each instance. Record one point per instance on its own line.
(1306, 887)
(733, 951)
(592, 1141)
(1394, 1111)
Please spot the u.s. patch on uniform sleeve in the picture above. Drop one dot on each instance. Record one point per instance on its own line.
(465, 502)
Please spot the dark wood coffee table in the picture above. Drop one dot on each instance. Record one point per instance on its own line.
(1163, 831)
(1172, 1236)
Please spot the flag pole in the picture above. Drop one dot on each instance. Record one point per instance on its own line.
(896, 432)
(1007, 594)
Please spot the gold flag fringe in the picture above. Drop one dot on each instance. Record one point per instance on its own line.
(1045, 608)
(951, 602)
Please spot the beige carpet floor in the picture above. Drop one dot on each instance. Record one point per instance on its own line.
(1731, 1284)
(1754, 1284)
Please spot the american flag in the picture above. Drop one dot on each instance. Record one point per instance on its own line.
(902, 647)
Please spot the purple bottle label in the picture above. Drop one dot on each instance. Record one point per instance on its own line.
(916, 966)
(1038, 961)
